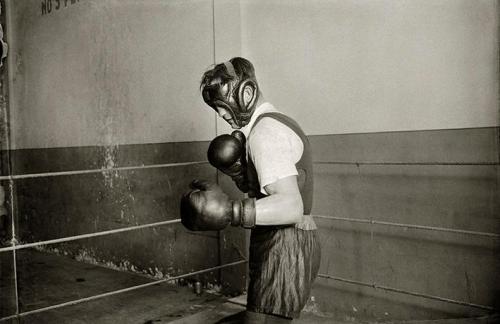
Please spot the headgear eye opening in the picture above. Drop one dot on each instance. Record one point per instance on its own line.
(209, 93)
(215, 95)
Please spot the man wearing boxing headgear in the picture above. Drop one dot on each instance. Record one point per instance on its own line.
(268, 156)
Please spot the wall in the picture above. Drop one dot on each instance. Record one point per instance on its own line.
(109, 84)
(441, 178)
(412, 88)
(132, 76)
(369, 66)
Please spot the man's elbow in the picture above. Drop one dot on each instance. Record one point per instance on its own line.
(297, 210)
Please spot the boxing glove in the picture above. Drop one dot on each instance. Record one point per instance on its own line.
(228, 154)
(207, 208)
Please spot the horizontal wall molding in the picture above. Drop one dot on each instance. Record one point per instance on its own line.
(478, 146)
(96, 158)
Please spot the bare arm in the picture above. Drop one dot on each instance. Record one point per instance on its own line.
(283, 205)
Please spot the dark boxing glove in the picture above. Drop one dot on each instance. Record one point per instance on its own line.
(228, 154)
(207, 208)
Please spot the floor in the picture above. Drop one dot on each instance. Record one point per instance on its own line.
(47, 279)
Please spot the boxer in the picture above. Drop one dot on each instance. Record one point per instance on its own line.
(268, 156)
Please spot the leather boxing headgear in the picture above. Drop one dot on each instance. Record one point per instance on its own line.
(230, 96)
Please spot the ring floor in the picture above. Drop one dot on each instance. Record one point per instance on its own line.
(47, 279)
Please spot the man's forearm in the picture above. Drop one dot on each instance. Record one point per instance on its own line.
(279, 209)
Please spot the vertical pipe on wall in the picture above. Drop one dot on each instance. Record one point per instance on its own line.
(9, 72)
(497, 5)
(498, 87)
(215, 57)
(14, 242)
(219, 236)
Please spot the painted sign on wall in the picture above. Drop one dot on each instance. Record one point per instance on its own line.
(49, 6)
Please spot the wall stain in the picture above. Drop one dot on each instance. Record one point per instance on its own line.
(108, 164)
(88, 256)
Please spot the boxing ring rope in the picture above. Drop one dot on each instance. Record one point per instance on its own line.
(353, 220)
(166, 165)
(406, 292)
(77, 172)
(85, 236)
(407, 163)
(420, 227)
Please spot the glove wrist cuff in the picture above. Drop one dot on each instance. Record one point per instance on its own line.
(236, 220)
(244, 213)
